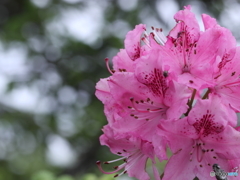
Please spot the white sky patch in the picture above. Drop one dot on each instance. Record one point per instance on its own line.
(72, 1)
(197, 8)
(127, 5)
(81, 24)
(14, 66)
(59, 152)
(13, 60)
(26, 99)
(167, 9)
(66, 123)
(230, 16)
(67, 95)
(37, 44)
(41, 3)
(149, 20)
(119, 28)
(3, 84)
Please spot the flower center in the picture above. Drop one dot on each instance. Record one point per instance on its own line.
(147, 109)
(156, 81)
(200, 151)
(206, 125)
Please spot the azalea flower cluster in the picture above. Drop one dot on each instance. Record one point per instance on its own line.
(180, 91)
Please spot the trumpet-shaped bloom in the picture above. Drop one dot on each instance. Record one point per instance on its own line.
(180, 90)
(134, 154)
(132, 106)
(200, 140)
(191, 54)
(125, 59)
(227, 80)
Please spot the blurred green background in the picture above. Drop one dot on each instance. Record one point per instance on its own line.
(51, 56)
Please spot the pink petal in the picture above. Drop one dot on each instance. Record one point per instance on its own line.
(204, 171)
(175, 131)
(122, 110)
(160, 145)
(220, 114)
(133, 148)
(132, 41)
(194, 81)
(117, 145)
(138, 170)
(212, 43)
(225, 144)
(228, 83)
(103, 94)
(179, 167)
(103, 91)
(149, 72)
(176, 98)
(208, 21)
(187, 22)
(123, 62)
(125, 124)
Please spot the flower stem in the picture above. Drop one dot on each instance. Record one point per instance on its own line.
(206, 94)
(191, 102)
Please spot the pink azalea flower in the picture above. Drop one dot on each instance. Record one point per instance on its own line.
(134, 151)
(132, 42)
(225, 75)
(137, 43)
(154, 75)
(227, 81)
(138, 105)
(190, 53)
(124, 60)
(200, 140)
(154, 99)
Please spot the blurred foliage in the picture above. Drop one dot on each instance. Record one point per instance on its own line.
(63, 70)
(46, 175)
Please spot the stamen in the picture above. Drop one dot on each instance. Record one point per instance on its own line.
(107, 64)
(199, 153)
(159, 36)
(108, 162)
(146, 41)
(192, 151)
(124, 172)
(143, 111)
(236, 83)
(131, 163)
(119, 168)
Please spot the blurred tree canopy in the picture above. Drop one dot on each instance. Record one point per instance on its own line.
(51, 56)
